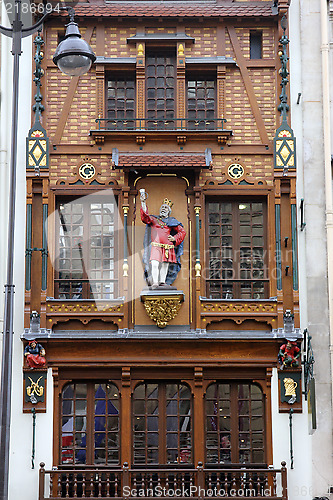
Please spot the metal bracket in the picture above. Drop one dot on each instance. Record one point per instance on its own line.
(308, 362)
(303, 224)
(291, 411)
(29, 251)
(33, 411)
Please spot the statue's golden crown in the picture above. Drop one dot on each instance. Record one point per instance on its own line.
(167, 202)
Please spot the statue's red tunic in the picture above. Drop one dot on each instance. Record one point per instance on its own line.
(162, 249)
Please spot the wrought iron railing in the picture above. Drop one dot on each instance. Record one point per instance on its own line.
(160, 124)
(195, 483)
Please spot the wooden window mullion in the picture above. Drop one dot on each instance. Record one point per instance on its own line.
(251, 426)
(162, 424)
(234, 423)
(90, 444)
(236, 248)
(86, 250)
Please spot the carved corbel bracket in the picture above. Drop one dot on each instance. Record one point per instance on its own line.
(181, 139)
(99, 139)
(162, 306)
(140, 139)
(222, 139)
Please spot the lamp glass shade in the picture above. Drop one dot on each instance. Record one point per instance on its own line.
(74, 65)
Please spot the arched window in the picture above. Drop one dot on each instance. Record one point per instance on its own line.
(235, 423)
(162, 427)
(90, 423)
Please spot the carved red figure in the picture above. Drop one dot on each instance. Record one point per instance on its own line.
(34, 354)
(289, 354)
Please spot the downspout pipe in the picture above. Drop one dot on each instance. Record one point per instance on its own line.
(328, 168)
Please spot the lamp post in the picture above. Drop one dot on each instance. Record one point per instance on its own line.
(73, 57)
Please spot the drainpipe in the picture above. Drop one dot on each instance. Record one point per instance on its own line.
(328, 169)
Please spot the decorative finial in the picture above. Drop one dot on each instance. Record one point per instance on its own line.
(37, 142)
(283, 106)
(181, 50)
(38, 108)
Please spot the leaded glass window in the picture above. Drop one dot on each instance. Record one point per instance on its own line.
(235, 423)
(201, 103)
(90, 423)
(237, 249)
(85, 267)
(160, 88)
(121, 102)
(162, 426)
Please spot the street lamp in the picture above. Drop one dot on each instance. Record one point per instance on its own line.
(73, 57)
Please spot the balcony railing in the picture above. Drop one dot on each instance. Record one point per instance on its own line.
(195, 483)
(160, 124)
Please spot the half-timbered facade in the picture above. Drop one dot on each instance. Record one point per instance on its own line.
(168, 386)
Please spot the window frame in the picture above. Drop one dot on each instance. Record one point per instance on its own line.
(86, 294)
(236, 269)
(257, 375)
(199, 75)
(235, 415)
(162, 430)
(167, 122)
(90, 431)
(126, 123)
(256, 45)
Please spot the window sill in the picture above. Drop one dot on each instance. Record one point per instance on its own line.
(141, 136)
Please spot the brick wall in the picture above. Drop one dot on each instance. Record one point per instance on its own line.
(238, 110)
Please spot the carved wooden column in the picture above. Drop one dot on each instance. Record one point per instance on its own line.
(286, 253)
(57, 388)
(293, 208)
(198, 417)
(140, 85)
(45, 214)
(100, 92)
(278, 249)
(36, 244)
(100, 73)
(268, 413)
(221, 75)
(125, 276)
(198, 265)
(126, 415)
(181, 91)
(28, 255)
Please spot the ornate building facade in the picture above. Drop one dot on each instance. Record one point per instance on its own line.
(193, 381)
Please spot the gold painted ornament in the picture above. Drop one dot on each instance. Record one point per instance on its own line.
(162, 309)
